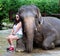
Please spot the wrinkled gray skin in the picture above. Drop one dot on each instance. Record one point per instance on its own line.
(44, 30)
(50, 30)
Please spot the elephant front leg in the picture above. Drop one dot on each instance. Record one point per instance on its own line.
(20, 45)
(48, 43)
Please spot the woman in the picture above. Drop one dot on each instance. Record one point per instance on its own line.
(16, 32)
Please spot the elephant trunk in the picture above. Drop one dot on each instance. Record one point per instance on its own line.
(29, 28)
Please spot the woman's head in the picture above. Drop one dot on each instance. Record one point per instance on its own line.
(17, 19)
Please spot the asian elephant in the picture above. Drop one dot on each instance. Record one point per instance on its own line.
(27, 15)
(38, 29)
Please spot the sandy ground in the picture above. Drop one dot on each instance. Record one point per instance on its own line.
(35, 52)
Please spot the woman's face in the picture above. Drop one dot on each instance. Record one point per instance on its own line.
(17, 17)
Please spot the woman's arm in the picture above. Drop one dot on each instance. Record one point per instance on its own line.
(12, 31)
(19, 25)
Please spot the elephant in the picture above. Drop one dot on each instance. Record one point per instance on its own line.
(29, 12)
(43, 31)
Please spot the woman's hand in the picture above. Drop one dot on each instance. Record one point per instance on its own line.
(13, 33)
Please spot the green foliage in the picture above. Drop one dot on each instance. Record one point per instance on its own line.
(6, 20)
(48, 6)
(45, 6)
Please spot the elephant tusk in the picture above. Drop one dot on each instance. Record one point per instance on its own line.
(36, 28)
(41, 21)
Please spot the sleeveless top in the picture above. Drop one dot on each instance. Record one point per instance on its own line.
(19, 31)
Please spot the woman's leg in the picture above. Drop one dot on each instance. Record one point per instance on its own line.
(10, 39)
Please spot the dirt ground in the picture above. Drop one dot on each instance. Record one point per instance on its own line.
(35, 52)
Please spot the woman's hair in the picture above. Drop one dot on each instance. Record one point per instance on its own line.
(17, 21)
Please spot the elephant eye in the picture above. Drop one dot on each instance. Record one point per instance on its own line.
(36, 16)
(21, 17)
(39, 22)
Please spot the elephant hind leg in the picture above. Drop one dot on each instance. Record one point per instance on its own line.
(20, 45)
(48, 43)
(50, 38)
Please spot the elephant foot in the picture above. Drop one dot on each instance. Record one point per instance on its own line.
(53, 45)
(20, 47)
(28, 50)
(49, 47)
(19, 50)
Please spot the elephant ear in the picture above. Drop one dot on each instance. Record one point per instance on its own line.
(38, 15)
(38, 20)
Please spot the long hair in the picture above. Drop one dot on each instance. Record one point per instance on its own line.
(17, 21)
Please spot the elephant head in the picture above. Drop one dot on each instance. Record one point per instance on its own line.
(30, 17)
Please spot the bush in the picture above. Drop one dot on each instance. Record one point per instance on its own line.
(45, 6)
